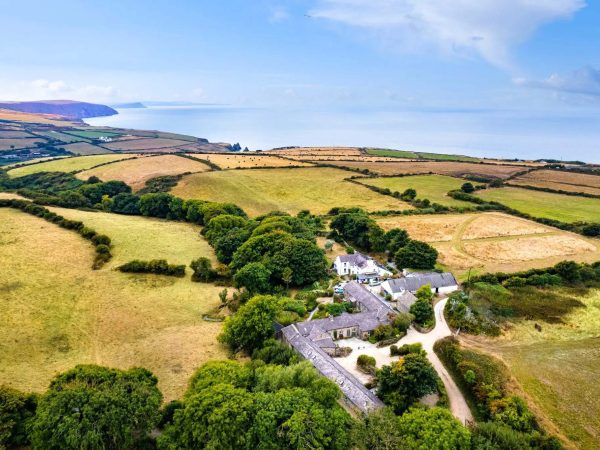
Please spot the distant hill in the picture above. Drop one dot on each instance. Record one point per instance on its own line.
(65, 108)
(131, 105)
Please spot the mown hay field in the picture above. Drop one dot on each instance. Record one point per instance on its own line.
(10, 144)
(84, 148)
(494, 242)
(144, 144)
(328, 157)
(437, 167)
(337, 151)
(560, 181)
(135, 237)
(135, 172)
(67, 164)
(93, 134)
(260, 191)
(558, 367)
(432, 187)
(246, 161)
(32, 161)
(566, 208)
(14, 134)
(57, 312)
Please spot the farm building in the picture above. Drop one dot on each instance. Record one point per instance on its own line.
(315, 340)
(441, 283)
(362, 266)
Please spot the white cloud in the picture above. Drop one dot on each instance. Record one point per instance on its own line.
(584, 81)
(486, 27)
(278, 14)
(43, 89)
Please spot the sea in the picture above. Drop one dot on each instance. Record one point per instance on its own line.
(485, 133)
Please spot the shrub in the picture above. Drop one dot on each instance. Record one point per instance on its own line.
(366, 364)
(156, 266)
(203, 270)
(99, 239)
(16, 412)
(406, 349)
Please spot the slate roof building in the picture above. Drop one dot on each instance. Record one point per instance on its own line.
(360, 265)
(441, 283)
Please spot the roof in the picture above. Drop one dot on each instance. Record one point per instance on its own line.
(414, 281)
(355, 259)
(405, 300)
(350, 386)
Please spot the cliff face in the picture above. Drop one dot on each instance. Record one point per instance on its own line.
(66, 108)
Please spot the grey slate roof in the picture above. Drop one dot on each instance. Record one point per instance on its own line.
(350, 386)
(356, 259)
(405, 301)
(414, 281)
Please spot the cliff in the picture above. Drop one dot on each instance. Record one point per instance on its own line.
(65, 108)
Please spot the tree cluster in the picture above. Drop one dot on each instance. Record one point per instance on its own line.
(155, 266)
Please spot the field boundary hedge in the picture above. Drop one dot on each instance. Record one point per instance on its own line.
(155, 266)
(554, 191)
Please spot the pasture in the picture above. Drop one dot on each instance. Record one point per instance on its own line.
(336, 151)
(558, 367)
(392, 153)
(84, 148)
(10, 144)
(144, 144)
(249, 161)
(565, 208)
(451, 168)
(494, 242)
(92, 134)
(56, 312)
(432, 187)
(67, 164)
(135, 172)
(135, 237)
(260, 191)
(560, 181)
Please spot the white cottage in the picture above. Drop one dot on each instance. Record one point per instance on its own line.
(441, 283)
(364, 267)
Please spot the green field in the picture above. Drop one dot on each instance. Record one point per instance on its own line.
(64, 137)
(93, 134)
(442, 157)
(558, 368)
(432, 187)
(56, 312)
(135, 237)
(391, 153)
(67, 164)
(260, 191)
(566, 208)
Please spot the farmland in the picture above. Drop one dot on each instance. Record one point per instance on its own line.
(67, 164)
(84, 148)
(560, 181)
(291, 190)
(558, 367)
(229, 161)
(492, 242)
(442, 168)
(58, 312)
(319, 151)
(136, 237)
(10, 144)
(432, 187)
(144, 144)
(543, 204)
(392, 153)
(135, 172)
(419, 155)
(93, 134)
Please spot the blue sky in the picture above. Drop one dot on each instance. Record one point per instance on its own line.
(421, 54)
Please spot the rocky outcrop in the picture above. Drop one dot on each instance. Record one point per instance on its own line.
(65, 108)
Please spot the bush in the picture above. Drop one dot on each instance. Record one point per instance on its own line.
(416, 255)
(16, 412)
(156, 266)
(423, 313)
(366, 364)
(406, 349)
(203, 270)
(101, 239)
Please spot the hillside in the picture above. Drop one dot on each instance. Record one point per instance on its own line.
(65, 108)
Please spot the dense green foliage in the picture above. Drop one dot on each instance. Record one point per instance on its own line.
(421, 309)
(16, 412)
(203, 270)
(434, 428)
(416, 255)
(276, 352)
(404, 382)
(156, 266)
(96, 407)
(229, 405)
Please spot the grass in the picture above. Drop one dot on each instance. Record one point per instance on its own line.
(442, 157)
(560, 181)
(290, 190)
(135, 172)
(432, 187)
(391, 153)
(93, 134)
(84, 148)
(558, 367)
(225, 161)
(137, 237)
(66, 164)
(7, 145)
(56, 312)
(543, 204)
(145, 144)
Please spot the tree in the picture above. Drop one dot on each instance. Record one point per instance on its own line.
(223, 296)
(408, 195)
(16, 411)
(125, 204)
(396, 238)
(97, 407)
(404, 382)
(286, 276)
(203, 270)
(252, 324)
(433, 429)
(276, 352)
(568, 271)
(467, 188)
(422, 312)
(492, 436)
(253, 276)
(155, 205)
(416, 255)
(424, 293)
(328, 245)
(378, 430)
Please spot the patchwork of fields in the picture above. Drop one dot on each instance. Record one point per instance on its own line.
(67, 164)
(228, 161)
(135, 172)
(56, 312)
(290, 190)
(565, 208)
(560, 181)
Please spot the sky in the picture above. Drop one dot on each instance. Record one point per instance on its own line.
(533, 58)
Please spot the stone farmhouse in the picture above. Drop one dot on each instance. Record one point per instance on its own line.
(315, 340)
(441, 283)
(364, 267)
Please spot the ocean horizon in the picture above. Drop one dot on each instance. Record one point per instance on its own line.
(485, 133)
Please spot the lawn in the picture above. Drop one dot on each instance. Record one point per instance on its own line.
(136, 237)
(558, 368)
(56, 312)
(391, 153)
(565, 208)
(432, 187)
(290, 190)
(135, 172)
(67, 164)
